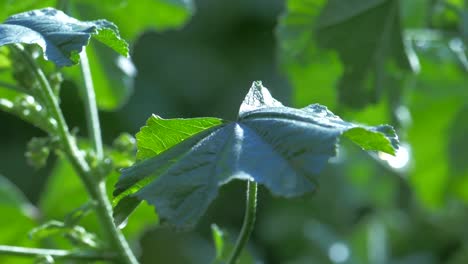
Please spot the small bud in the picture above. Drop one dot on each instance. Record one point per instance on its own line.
(38, 151)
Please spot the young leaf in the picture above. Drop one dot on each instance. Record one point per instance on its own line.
(38, 151)
(376, 42)
(274, 145)
(61, 37)
(218, 239)
(223, 247)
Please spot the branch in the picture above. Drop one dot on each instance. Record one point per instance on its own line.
(57, 253)
(95, 186)
(13, 87)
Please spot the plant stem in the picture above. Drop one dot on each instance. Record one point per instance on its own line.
(92, 117)
(249, 221)
(95, 186)
(57, 253)
(13, 87)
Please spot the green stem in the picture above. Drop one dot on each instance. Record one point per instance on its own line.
(94, 185)
(92, 117)
(13, 87)
(57, 253)
(249, 221)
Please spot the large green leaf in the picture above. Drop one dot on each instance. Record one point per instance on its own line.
(61, 37)
(367, 36)
(277, 146)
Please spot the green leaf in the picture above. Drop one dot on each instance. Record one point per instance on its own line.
(295, 27)
(61, 37)
(10, 195)
(280, 147)
(311, 70)
(149, 143)
(368, 139)
(375, 46)
(218, 239)
(157, 15)
(19, 215)
(431, 181)
(224, 246)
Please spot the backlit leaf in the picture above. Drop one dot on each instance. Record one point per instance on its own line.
(280, 147)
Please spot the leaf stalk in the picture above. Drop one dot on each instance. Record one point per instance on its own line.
(249, 222)
(89, 98)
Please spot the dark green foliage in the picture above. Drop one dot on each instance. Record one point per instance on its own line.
(367, 62)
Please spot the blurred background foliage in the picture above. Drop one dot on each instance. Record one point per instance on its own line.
(370, 61)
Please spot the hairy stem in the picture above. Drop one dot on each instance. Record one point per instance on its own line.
(57, 253)
(89, 97)
(249, 221)
(94, 185)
